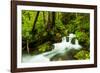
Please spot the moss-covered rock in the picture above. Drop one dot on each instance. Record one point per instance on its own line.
(44, 47)
(82, 55)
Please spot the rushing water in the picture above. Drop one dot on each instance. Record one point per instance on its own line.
(59, 48)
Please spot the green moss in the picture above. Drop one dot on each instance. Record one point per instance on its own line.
(44, 47)
(82, 55)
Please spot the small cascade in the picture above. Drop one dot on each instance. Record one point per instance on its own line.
(59, 48)
(77, 46)
(71, 36)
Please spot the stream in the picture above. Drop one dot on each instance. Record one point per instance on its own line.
(59, 49)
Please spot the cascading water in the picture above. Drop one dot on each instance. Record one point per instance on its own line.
(59, 48)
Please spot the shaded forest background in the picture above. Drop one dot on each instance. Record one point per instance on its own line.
(41, 29)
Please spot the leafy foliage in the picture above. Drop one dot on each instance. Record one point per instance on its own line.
(27, 23)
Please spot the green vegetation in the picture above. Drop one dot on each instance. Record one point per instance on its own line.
(40, 29)
(81, 55)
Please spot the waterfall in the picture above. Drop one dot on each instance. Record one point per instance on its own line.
(77, 46)
(59, 48)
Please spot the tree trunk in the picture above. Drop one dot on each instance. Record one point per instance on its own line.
(27, 46)
(51, 21)
(34, 24)
(44, 21)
